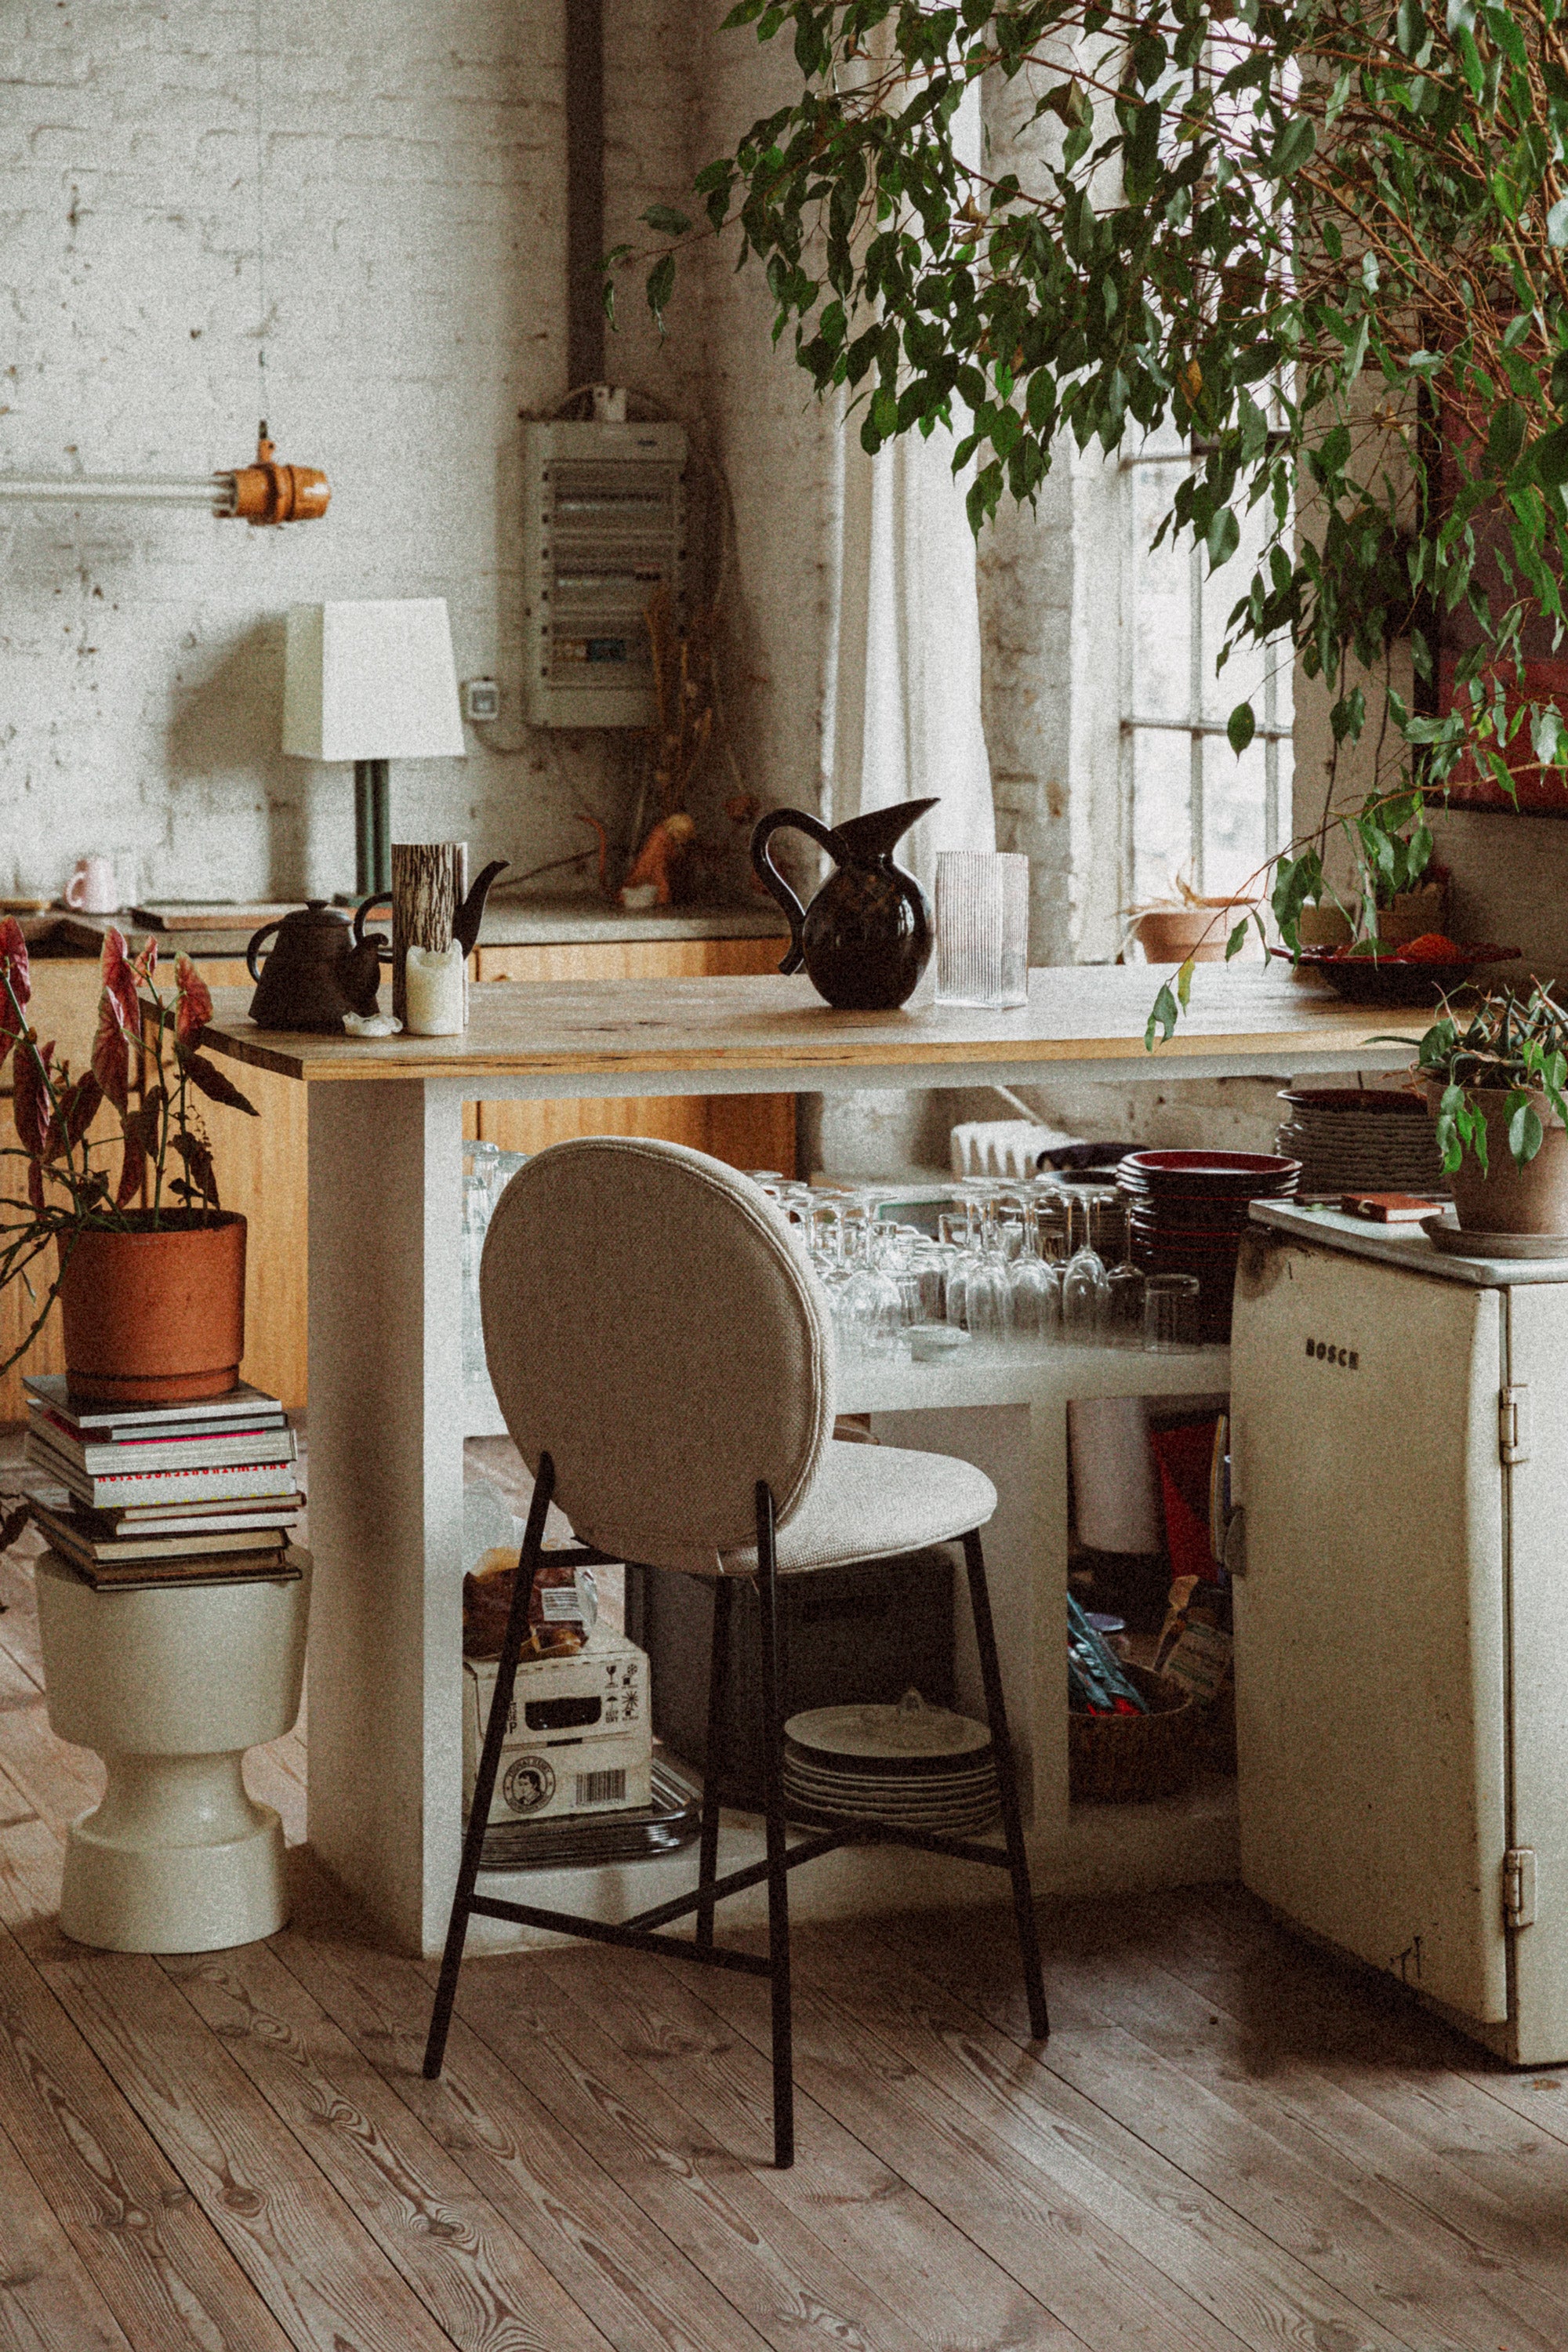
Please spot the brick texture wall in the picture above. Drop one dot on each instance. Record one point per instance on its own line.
(415, 205)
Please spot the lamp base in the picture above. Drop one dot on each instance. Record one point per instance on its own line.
(372, 826)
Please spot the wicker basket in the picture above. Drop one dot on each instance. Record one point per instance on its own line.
(1125, 1760)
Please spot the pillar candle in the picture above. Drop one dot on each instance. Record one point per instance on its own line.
(433, 984)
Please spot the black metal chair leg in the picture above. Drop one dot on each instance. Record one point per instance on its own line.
(717, 1745)
(490, 1763)
(1007, 1785)
(778, 1873)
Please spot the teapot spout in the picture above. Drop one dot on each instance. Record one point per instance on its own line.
(471, 913)
(878, 833)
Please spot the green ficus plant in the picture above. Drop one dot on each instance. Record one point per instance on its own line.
(1322, 239)
(1510, 1043)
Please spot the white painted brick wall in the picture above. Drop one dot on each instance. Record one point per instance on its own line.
(415, 249)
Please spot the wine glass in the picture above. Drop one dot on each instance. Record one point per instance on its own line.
(1084, 1285)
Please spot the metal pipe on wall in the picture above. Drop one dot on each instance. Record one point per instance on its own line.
(585, 190)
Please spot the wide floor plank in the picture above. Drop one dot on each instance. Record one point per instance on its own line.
(741, 2218)
(1346, 2199)
(480, 2283)
(48, 2299)
(314, 2263)
(153, 2255)
(1053, 2245)
(920, 2263)
(636, 2286)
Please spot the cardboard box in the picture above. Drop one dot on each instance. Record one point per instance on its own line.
(579, 1738)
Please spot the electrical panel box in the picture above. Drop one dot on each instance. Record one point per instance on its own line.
(603, 529)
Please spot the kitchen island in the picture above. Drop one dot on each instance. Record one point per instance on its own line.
(388, 1415)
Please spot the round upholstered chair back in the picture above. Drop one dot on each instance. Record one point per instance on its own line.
(653, 1325)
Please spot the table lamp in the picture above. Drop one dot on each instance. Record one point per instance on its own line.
(370, 681)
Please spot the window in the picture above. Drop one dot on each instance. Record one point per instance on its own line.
(1193, 808)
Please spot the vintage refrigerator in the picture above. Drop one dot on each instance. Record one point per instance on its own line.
(1400, 1463)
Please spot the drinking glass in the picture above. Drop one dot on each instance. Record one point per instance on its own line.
(1124, 1287)
(1035, 1310)
(1171, 1312)
(982, 927)
(1084, 1285)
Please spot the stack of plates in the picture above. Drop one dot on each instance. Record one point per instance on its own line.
(1360, 1139)
(914, 1766)
(1187, 1212)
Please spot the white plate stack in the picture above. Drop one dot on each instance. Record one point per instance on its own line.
(913, 1766)
(1359, 1140)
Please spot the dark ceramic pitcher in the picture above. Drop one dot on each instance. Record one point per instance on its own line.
(865, 937)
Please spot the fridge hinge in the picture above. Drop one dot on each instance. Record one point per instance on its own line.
(1518, 1886)
(1514, 1423)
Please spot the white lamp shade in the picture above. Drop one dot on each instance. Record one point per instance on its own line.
(371, 680)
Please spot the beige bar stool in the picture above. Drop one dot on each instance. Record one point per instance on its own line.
(663, 1358)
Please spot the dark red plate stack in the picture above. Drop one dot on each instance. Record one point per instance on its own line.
(1187, 1211)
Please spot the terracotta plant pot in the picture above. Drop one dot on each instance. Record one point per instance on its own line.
(1323, 926)
(155, 1318)
(1413, 914)
(1170, 934)
(1509, 1199)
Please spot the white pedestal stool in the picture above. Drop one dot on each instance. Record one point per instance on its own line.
(171, 1687)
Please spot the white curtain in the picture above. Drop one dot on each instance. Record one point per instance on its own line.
(902, 686)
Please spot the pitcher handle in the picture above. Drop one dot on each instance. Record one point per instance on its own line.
(772, 881)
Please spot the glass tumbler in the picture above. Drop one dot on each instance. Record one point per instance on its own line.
(982, 927)
(1170, 1312)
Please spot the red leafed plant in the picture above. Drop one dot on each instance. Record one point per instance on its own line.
(148, 1067)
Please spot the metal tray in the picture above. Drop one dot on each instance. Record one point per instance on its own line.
(580, 1841)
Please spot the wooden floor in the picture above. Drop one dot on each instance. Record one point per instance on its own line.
(1226, 2142)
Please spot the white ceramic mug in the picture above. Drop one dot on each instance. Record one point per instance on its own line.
(90, 889)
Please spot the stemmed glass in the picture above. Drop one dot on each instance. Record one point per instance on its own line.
(1085, 1289)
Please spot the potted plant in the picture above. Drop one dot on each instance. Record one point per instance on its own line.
(1190, 247)
(1494, 1077)
(1405, 889)
(148, 1266)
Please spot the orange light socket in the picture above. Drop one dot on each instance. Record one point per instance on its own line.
(269, 493)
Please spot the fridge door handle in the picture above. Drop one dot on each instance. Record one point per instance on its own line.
(1233, 1551)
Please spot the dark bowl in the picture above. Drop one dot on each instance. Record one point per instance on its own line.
(1384, 980)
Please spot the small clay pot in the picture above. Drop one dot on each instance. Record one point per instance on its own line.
(154, 1318)
(1324, 927)
(1509, 1199)
(1172, 934)
(1413, 914)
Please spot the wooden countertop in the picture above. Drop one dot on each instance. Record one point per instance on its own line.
(1241, 1016)
(508, 923)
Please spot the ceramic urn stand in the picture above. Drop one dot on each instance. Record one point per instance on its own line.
(171, 1687)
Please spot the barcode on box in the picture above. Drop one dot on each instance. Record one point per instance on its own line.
(601, 1788)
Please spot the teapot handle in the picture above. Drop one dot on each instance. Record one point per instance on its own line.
(266, 933)
(376, 898)
(772, 881)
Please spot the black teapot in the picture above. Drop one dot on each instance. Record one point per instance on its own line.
(865, 937)
(318, 970)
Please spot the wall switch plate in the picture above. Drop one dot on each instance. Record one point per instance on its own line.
(481, 701)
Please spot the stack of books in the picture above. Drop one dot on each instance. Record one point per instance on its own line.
(165, 1494)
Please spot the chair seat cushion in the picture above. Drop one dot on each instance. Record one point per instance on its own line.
(865, 1503)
